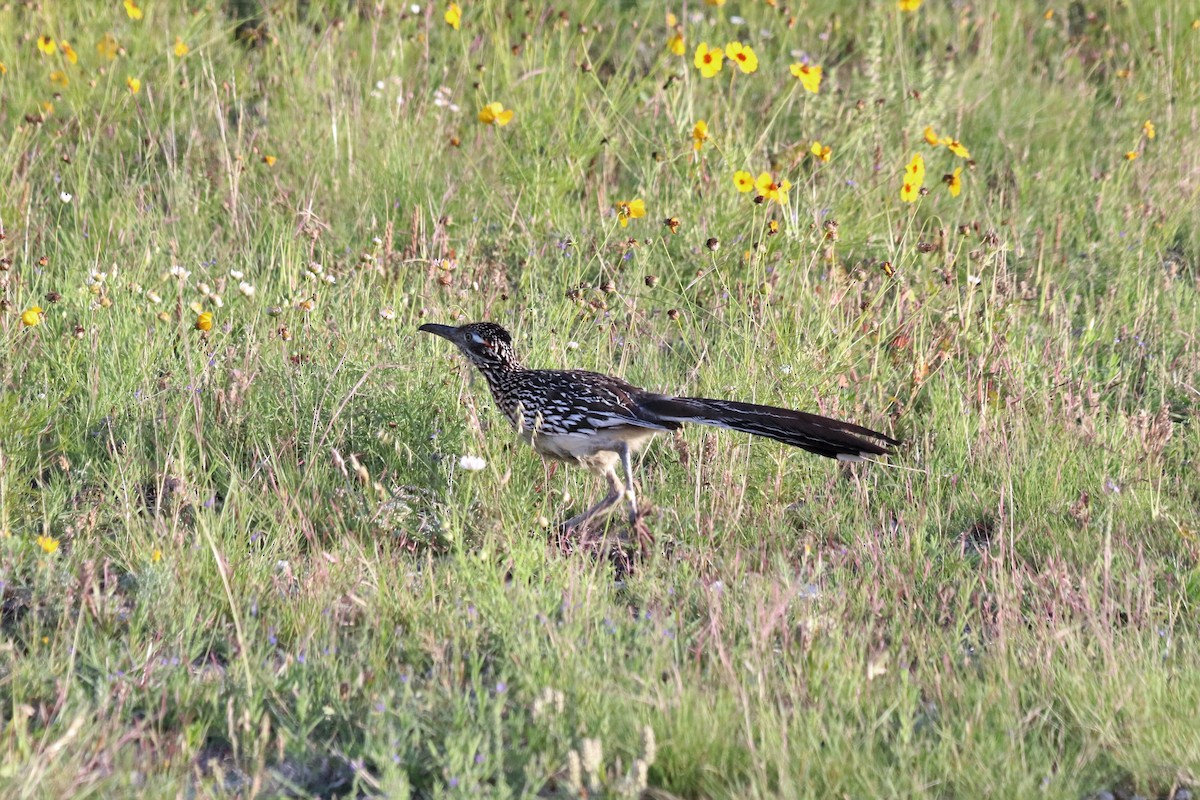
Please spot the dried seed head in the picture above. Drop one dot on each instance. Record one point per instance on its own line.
(651, 281)
(713, 244)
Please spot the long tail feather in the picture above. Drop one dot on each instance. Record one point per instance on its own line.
(821, 435)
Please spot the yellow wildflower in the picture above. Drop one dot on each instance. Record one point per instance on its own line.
(909, 5)
(453, 16)
(630, 209)
(809, 76)
(134, 84)
(156, 556)
(1131, 155)
(269, 160)
(675, 44)
(771, 189)
(69, 52)
(46, 45)
(32, 316)
(1148, 129)
(743, 180)
(708, 61)
(48, 543)
(495, 114)
(204, 322)
(953, 181)
(107, 46)
(914, 179)
(956, 147)
(3, 69)
(59, 78)
(131, 8)
(931, 138)
(743, 56)
(699, 135)
(821, 151)
(717, 3)
(181, 48)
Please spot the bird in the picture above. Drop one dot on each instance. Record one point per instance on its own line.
(599, 421)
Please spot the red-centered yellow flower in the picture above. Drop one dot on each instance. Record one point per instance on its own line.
(59, 78)
(48, 543)
(909, 5)
(743, 180)
(823, 152)
(743, 56)
(699, 135)
(808, 75)
(46, 45)
(708, 61)
(1131, 155)
(69, 52)
(107, 46)
(131, 8)
(953, 181)
(914, 179)
(1148, 129)
(269, 160)
(453, 16)
(931, 138)
(204, 322)
(771, 189)
(956, 147)
(675, 44)
(495, 114)
(181, 48)
(134, 84)
(630, 209)
(32, 316)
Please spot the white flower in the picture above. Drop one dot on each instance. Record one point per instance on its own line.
(203, 288)
(315, 268)
(471, 463)
(974, 280)
(736, 20)
(572, 345)
(387, 313)
(216, 300)
(65, 197)
(415, 8)
(246, 289)
(330, 279)
(181, 273)
(153, 296)
(236, 274)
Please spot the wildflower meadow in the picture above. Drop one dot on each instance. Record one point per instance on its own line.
(261, 538)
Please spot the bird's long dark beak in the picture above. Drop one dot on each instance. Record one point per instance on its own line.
(445, 331)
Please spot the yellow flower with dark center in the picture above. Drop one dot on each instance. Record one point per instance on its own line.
(48, 543)
(708, 61)
(809, 76)
(181, 48)
(909, 5)
(953, 181)
(931, 138)
(69, 52)
(1131, 155)
(914, 179)
(1148, 129)
(823, 152)
(269, 160)
(699, 135)
(956, 147)
(134, 84)
(59, 78)
(743, 56)
(743, 180)
(675, 44)
(495, 114)
(453, 16)
(630, 209)
(46, 45)
(32, 316)
(204, 322)
(107, 46)
(769, 188)
(131, 8)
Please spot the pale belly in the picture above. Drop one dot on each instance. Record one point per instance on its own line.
(598, 450)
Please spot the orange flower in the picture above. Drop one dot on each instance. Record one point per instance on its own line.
(69, 52)
(821, 151)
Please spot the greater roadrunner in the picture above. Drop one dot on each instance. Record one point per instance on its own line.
(597, 420)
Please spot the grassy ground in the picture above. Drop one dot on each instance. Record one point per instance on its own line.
(245, 561)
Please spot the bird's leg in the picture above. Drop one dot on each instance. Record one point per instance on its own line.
(615, 492)
(645, 540)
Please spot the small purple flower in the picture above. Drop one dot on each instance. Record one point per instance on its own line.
(453, 783)
(501, 687)
(479, 758)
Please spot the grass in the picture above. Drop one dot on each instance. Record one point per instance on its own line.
(244, 561)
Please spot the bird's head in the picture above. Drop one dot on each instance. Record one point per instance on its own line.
(485, 344)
